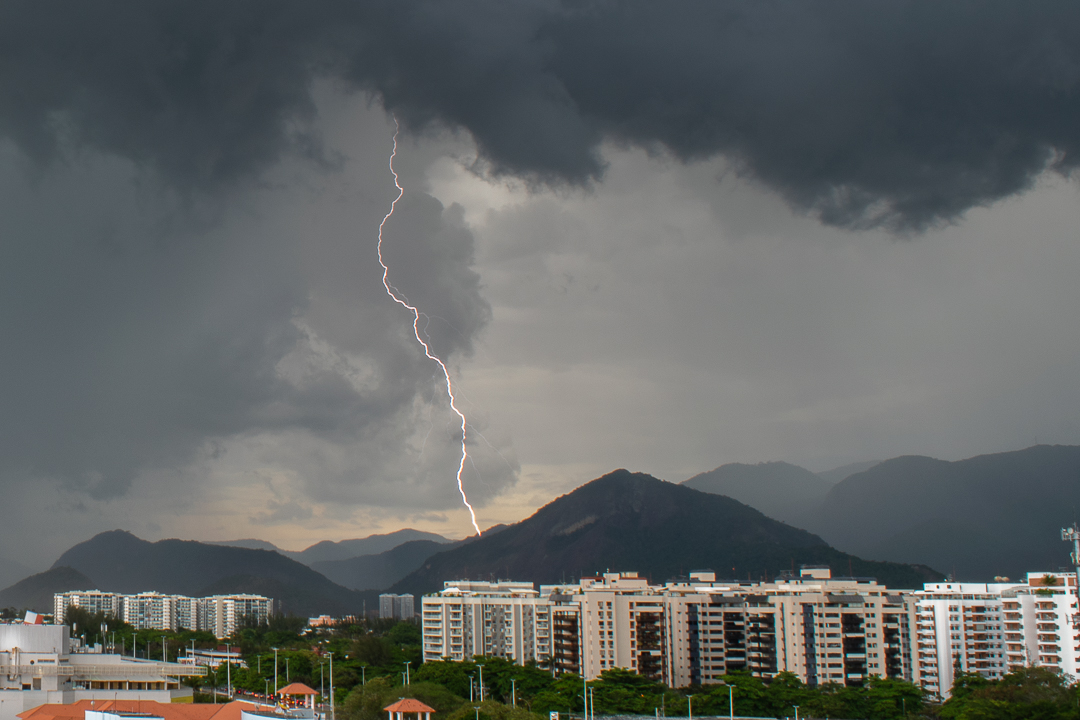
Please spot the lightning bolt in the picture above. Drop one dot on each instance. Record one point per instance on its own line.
(403, 302)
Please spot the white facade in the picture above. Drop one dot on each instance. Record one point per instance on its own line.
(219, 614)
(38, 666)
(991, 628)
(93, 601)
(507, 620)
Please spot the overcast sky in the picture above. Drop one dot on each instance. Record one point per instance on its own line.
(729, 232)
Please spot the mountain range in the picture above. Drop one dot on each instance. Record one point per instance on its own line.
(632, 521)
(986, 516)
(974, 519)
(329, 551)
(117, 561)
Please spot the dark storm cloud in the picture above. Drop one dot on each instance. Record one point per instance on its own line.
(901, 114)
(131, 338)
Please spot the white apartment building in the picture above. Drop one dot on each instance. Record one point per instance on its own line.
(151, 610)
(959, 625)
(991, 628)
(219, 614)
(93, 601)
(41, 664)
(502, 619)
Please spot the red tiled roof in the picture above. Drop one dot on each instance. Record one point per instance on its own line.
(168, 711)
(296, 689)
(408, 705)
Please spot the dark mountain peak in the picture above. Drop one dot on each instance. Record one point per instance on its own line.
(112, 543)
(620, 498)
(122, 562)
(633, 521)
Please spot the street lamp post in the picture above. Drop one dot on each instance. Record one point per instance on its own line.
(690, 707)
(471, 691)
(275, 671)
(481, 682)
(796, 711)
(731, 700)
(228, 670)
(407, 664)
(513, 692)
(332, 716)
(592, 704)
(163, 657)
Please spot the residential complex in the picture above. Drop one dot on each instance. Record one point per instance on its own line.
(219, 614)
(822, 629)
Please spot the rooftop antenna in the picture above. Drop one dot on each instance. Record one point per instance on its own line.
(1067, 535)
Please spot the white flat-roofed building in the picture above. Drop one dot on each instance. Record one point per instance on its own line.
(507, 620)
(92, 601)
(993, 628)
(38, 666)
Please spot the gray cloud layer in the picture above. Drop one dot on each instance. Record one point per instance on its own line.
(900, 114)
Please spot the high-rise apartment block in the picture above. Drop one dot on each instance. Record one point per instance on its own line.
(821, 628)
(990, 628)
(219, 614)
(396, 607)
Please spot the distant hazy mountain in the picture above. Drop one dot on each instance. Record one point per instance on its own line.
(371, 545)
(36, 592)
(121, 562)
(989, 515)
(631, 521)
(845, 471)
(250, 544)
(377, 572)
(778, 489)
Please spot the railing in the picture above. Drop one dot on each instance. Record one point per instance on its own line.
(90, 671)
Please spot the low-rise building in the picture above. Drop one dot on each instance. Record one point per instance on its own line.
(41, 664)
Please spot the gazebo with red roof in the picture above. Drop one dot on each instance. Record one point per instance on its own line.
(294, 690)
(408, 705)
